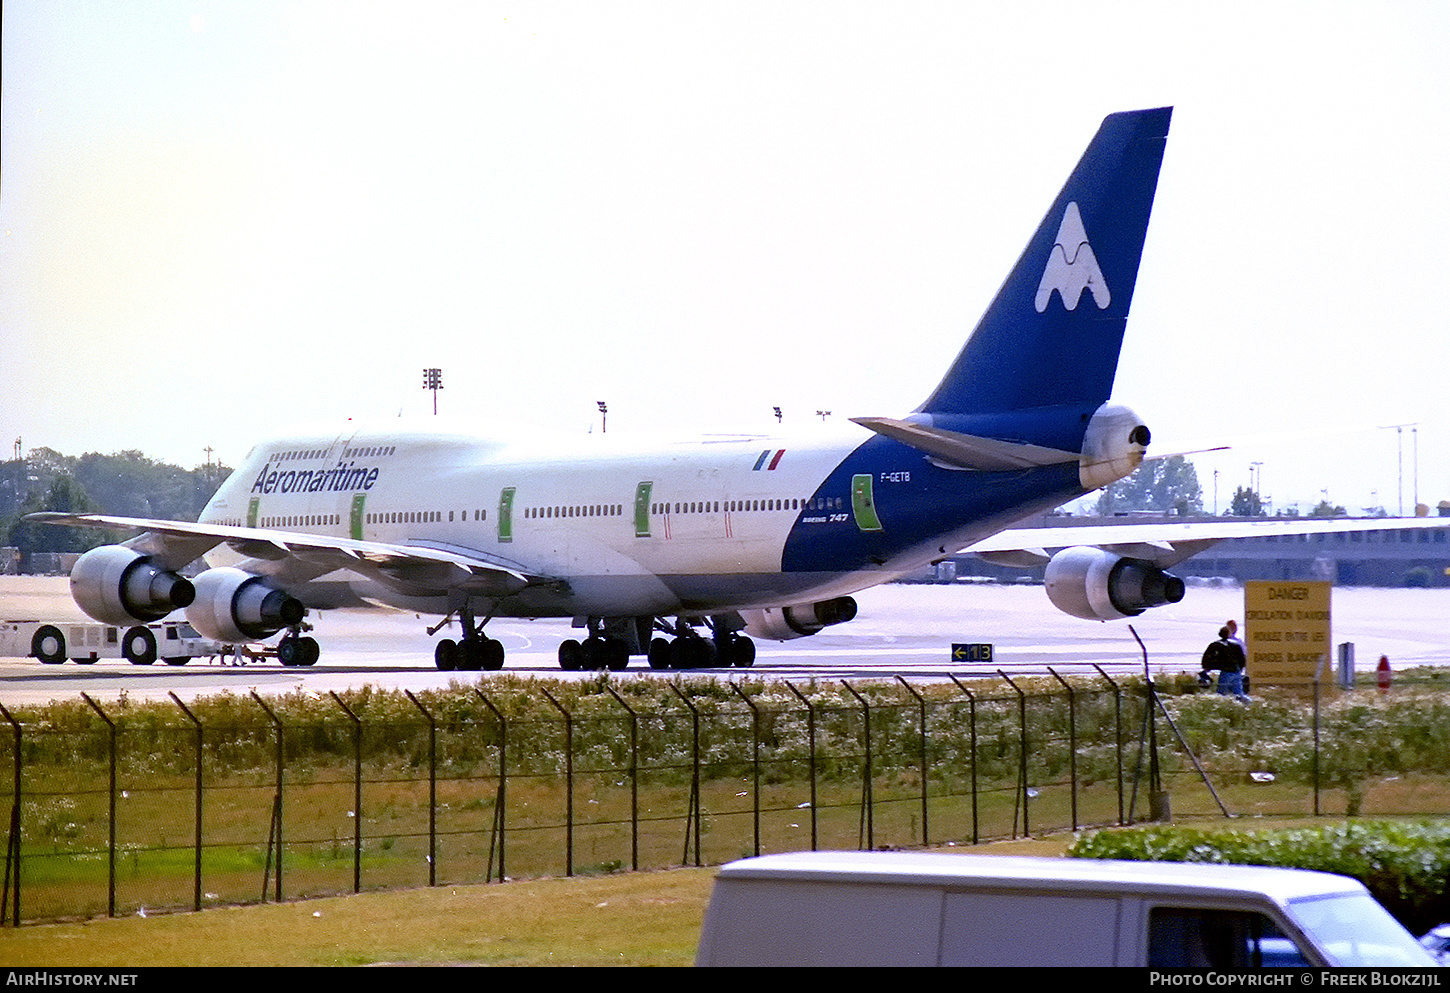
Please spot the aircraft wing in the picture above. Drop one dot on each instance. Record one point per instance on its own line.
(176, 543)
(1168, 543)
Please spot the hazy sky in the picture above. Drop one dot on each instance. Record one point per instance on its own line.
(220, 219)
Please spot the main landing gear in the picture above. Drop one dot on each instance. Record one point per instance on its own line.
(296, 648)
(607, 648)
(476, 651)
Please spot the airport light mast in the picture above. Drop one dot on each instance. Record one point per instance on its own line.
(603, 416)
(433, 380)
(1399, 430)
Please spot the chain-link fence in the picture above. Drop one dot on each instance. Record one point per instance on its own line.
(119, 809)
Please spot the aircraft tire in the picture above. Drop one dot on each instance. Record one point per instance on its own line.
(616, 655)
(138, 646)
(659, 654)
(48, 645)
(445, 655)
(571, 655)
(287, 651)
(742, 652)
(691, 653)
(593, 657)
(492, 654)
(308, 651)
(470, 654)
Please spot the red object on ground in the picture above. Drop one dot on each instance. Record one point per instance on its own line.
(1382, 672)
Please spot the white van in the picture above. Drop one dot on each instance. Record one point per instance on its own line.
(939, 908)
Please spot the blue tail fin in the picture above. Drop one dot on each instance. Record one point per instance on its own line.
(1052, 335)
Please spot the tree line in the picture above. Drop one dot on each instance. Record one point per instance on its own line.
(125, 484)
(1170, 485)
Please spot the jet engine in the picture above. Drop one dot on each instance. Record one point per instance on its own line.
(232, 606)
(118, 585)
(1112, 447)
(1100, 586)
(798, 620)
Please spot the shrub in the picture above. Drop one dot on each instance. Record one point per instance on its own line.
(1404, 865)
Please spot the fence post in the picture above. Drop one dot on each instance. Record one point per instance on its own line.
(693, 814)
(633, 777)
(921, 750)
(810, 757)
(568, 782)
(12, 841)
(1022, 763)
(196, 831)
(1118, 732)
(1071, 741)
(498, 804)
(754, 755)
(432, 789)
(274, 834)
(357, 814)
(867, 825)
(111, 815)
(972, 739)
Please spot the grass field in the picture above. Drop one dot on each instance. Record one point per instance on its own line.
(629, 919)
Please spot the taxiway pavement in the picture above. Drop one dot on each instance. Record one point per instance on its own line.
(905, 630)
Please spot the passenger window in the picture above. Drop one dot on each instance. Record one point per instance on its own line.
(1195, 938)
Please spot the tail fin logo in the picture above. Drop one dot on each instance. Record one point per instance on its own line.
(1072, 267)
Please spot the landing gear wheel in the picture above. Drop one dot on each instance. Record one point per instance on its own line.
(470, 654)
(594, 653)
(48, 645)
(287, 650)
(492, 654)
(293, 650)
(308, 651)
(691, 652)
(445, 655)
(571, 655)
(659, 654)
(616, 655)
(138, 646)
(739, 652)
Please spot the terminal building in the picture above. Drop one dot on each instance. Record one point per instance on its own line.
(1419, 558)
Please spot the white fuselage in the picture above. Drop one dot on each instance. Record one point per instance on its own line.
(634, 526)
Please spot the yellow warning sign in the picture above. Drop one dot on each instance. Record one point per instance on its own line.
(1287, 634)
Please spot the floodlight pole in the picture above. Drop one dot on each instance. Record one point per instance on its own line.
(433, 380)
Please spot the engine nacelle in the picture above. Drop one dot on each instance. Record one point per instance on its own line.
(1100, 586)
(1112, 447)
(232, 606)
(798, 620)
(117, 585)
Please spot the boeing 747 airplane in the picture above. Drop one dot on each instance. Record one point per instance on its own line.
(682, 552)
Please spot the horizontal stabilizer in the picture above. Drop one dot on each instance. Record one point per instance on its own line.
(966, 451)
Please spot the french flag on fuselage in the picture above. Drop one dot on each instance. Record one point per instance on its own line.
(768, 460)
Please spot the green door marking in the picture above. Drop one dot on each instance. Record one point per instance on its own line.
(863, 505)
(506, 514)
(252, 507)
(355, 522)
(641, 509)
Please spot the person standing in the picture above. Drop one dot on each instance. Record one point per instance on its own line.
(1233, 636)
(1227, 658)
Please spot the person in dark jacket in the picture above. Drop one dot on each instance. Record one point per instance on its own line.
(1226, 656)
